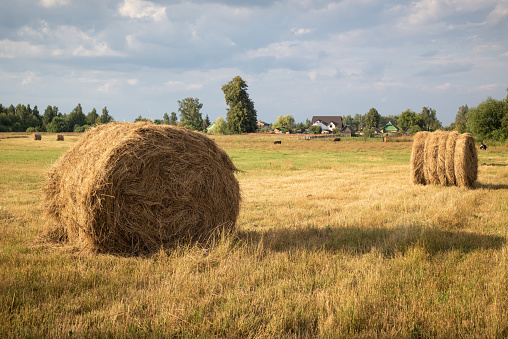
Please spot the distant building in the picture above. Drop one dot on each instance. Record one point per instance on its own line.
(261, 124)
(389, 128)
(347, 131)
(329, 121)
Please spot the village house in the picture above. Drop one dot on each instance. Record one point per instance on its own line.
(327, 123)
(389, 128)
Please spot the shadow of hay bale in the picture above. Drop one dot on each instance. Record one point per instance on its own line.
(133, 188)
(361, 241)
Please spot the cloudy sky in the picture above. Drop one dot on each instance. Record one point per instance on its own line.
(299, 57)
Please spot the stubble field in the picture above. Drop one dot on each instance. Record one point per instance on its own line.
(332, 241)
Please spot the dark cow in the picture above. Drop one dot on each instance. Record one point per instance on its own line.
(277, 142)
(483, 147)
(336, 139)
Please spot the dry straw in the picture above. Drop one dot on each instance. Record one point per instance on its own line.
(418, 158)
(59, 137)
(36, 136)
(465, 161)
(134, 188)
(450, 157)
(444, 158)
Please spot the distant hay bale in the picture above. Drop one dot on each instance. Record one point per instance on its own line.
(59, 137)
(450, 157)
(444, 158)
(134, 188)
(36, 136)
(418, 158)
(465, 161)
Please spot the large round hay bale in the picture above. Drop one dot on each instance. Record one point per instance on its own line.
(134, 188)
(36, 136)
(444, 158)
(465, 161)
(418, 158)
(59, 137)
(431, 155)
(450, 157)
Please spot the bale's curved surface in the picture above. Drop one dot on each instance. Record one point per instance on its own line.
(59, 137)
(36, 136)
(132, 188)
(450, 157)
(441, 159)
(465, 161)
(431, 158)
(418, 158)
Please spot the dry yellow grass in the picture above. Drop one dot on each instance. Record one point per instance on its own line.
(333, 241)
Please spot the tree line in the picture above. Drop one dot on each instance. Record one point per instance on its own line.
(489, 120)
(26, 119)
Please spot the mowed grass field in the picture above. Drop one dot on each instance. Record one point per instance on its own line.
(332, 241)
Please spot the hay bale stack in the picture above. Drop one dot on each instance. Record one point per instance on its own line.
(418, 158)
(444, 158)
(131, 188)
(59, 137)
(36, 136)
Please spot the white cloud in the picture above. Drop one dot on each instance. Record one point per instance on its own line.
(132, 82)
(137, 9)
(182, 85)
(29, 78)
(53, 3)
(301, 31)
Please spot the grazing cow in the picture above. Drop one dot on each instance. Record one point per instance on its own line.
(277, 142)
(483, 147)
(336, 139)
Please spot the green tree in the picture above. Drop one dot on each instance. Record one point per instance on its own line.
(166, 119)
(173, 119)
(367, 132)
(219, 126)
(489, 120)
(408, 118)
(105, 117)
(140, 118)
(429, 121)
(241, 115)
(49, 114)
(286, 123)
(372, 118)
(75, 118)
(461, 119)
(315, 129)
(206, 123)
(190, 116)
(348, 120)
(57, 125)
(92, 117)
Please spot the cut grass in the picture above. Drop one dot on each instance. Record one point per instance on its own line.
(333, 241)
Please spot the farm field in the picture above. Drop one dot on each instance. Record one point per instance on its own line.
(333, 241)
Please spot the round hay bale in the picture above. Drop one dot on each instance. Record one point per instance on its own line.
(465, 161)
(450, 157)
(133, 188)
(36, 136)
(431, 156)
(418, 158)
(59, 137)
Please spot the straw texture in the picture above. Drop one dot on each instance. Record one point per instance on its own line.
(134, 188)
